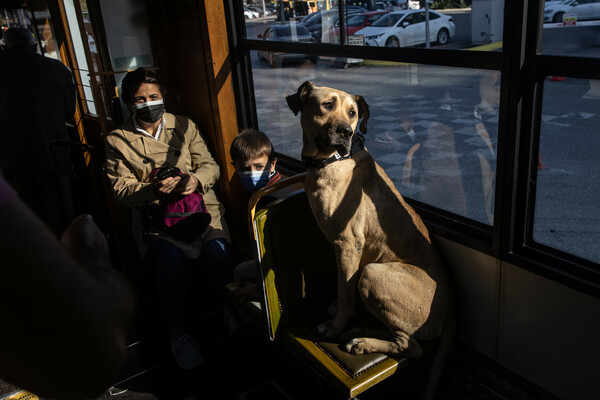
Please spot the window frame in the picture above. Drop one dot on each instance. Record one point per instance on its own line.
(523, 69)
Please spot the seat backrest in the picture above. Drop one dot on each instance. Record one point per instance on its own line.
(298, 264)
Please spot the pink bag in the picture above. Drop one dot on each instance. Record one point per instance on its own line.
(182, 217)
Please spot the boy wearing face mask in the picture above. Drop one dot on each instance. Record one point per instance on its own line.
(254, 160)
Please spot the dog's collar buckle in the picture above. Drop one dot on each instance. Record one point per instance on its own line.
(310, 162)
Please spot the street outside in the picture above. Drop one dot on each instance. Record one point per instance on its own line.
(435, 131)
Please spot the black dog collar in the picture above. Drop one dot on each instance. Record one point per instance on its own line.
(358, 144)
(310, 162)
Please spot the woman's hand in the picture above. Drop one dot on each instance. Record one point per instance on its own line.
(166, 186)
(187, 185)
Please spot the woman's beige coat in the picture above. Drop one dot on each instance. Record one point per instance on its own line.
(131, 156)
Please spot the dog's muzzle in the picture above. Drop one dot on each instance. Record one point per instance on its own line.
(345, 131)
(337, 137)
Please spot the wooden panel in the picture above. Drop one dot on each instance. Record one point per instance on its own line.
(233, 194)
(191, 88)
(222, 80)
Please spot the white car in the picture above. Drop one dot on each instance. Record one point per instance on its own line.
(582, 9)
(249, 14)
(407, 28)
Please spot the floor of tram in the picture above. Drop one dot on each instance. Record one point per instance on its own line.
(238, 366)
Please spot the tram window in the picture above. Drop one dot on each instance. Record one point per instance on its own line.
(449, 28)
(571, 28)
(433, 129)
(38, 23)
(44, 27)
(82, 66)
(128, 43)
(567, 202)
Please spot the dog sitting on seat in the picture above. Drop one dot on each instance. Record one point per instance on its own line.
(382, 246)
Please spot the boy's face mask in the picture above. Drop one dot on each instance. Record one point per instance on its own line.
(254, 180)
(150, 111)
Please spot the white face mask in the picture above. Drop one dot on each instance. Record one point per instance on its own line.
(150, 111)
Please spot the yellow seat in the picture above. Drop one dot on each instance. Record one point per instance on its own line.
(299, 282)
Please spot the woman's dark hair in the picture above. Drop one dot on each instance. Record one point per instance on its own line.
(132, 81)
(250, 144)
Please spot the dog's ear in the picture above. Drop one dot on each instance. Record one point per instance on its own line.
(296, 100)
(363, 112)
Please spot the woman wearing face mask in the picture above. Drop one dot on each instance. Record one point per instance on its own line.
(152, 138)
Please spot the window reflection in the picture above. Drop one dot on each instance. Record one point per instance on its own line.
(571, 28)
(409, 28)
(128, 41)
(13, 17)
(433, 129)
(387, 23)
(286, 32)
(567, 206)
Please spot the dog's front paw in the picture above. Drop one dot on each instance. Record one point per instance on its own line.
(357, 346)
(328, 329)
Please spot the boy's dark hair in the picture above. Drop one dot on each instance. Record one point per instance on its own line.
(249, 144)
(132, 81)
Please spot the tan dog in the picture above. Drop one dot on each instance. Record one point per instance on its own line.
(382, 246)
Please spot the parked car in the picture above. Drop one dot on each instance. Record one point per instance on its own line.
(320, 23)
(272, 8)
(258, 10)
(583, 9)
(315, 17)
(309, 17)
(355, 23)
(285, 33)
(407, 28)
(249, 14)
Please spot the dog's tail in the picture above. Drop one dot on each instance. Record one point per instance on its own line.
(440, 360)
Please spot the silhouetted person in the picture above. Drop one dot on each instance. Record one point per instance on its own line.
(37, 97)
(66, 311)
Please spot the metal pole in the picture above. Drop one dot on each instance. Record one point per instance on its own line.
(281, 12)
(341, 22)
(427, 23)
